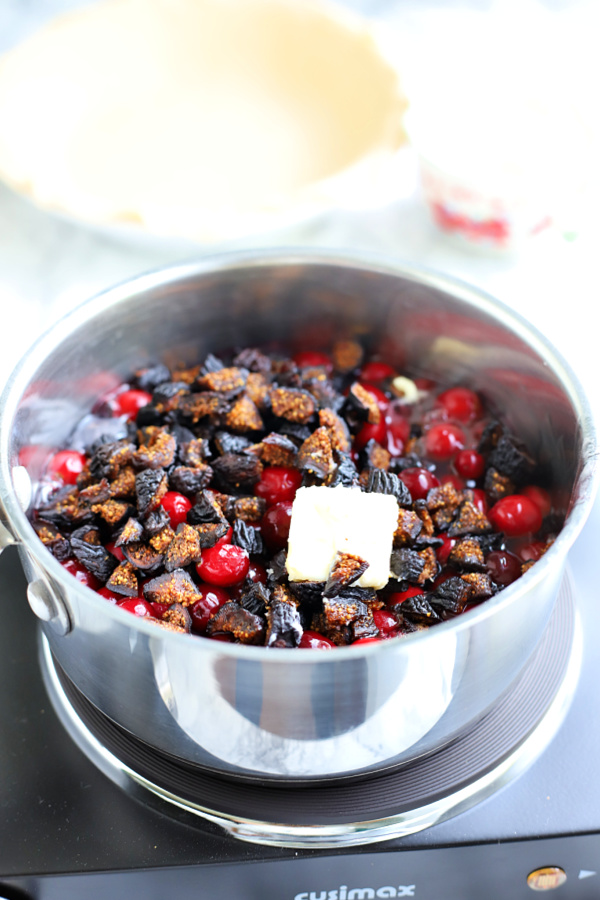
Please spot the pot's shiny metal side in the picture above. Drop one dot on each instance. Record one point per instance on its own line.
(279, 714)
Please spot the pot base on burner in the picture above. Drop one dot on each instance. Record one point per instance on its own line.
(345, 813)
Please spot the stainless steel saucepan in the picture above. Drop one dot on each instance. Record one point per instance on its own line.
(291, 715)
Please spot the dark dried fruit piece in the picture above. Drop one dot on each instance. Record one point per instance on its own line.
(184, 549)
(248, 538)
(161, 539)
(178, 617)
(156, 521)
(89, 550)
(62, 509)
(316, 454)
(190, 479)
(407, 565)
(284, 628)
(481, 584)
(257, 388)
(252, 359)
(345, 472)
(225, 442)
(382, 482)
(150, 487)
(226, 379)
(193, 452)
(123, 486)
(195, 407)
(347, 568)
(343, 610)
(419, 609)
(173, 587)
(511, 458)
(157, 448)
(235, 472)
(375, 457)
(124, 580)
(51, 537)
(231, 618)
(108, 459)
(469, 520)
(467, 554)
(168, 395)
(211, 532)
(364, 627)
(131, 532)
(309, 594)
(408, 529)
(497, 485)
(142, 556)
(450, 597)
(206, 509)
(338, 430)
(363, 403)
(149, 378)
(112, 511)
(346, 355)
(94, 494)
(276, 450)
(293, 404)
(255, 598)
(244, 416)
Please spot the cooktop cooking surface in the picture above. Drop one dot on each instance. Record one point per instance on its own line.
(68, 830)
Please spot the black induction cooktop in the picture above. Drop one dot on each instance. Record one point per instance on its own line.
(67, 830)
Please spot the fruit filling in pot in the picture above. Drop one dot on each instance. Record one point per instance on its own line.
(175, 496)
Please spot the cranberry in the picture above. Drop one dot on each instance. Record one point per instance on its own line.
(480, 500)
(375, 371)
(470, 464)
(370, 432)
(81, 573)
(110, 595)
(399, 597)
(311, 359)
(385, 621)
(368, 640)
(223, 564)
(533, 551)
(278, 483)
(138, 607)
(456, 482)
(312, 640)
(67, 465)
(398, 429)
(177, 506)
(211, 598)
(275, 524)
(460, 403)
(128, 403)
(419, 481)
(257, 573)
(503, 567)
(116, 551)
(445, 550)
(444, 440)
(540, 497)
(515, 515)
(158, 609)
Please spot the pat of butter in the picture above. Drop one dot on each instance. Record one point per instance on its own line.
(341, 519)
